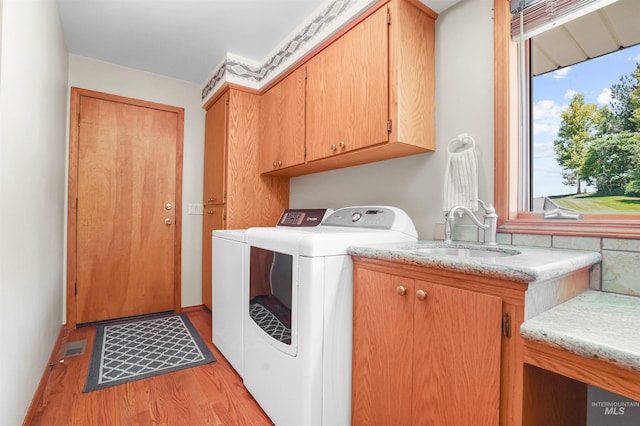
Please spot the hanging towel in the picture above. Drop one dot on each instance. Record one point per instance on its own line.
(461, 178)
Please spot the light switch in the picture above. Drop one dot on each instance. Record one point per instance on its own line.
(195, 209)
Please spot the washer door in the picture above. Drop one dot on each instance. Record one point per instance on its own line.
(272, 297)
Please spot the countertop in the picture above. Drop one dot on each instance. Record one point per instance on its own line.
(532, 264)
(593, 324)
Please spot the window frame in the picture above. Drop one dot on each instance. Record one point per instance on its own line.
(507, 146)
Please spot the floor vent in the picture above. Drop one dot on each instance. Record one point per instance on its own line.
(74, 348)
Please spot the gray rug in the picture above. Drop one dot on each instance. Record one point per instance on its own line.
(139, 349)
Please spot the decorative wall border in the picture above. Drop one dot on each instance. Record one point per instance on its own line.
(324, 24)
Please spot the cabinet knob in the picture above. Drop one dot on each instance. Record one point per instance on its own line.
(342, 144)
(279, 163)
(333, 147)
(401, 290)
(210, 211)
(275, 164)
(167, 221)
(212, 199)
(421, 295)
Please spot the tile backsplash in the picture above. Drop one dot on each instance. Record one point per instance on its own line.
(619, 272)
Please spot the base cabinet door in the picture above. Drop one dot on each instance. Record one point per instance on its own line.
(456, 357)
(382, 349)
(424, 353)
(213, 218)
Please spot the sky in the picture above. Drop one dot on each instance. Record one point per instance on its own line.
(552, 93)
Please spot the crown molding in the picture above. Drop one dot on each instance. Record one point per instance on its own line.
(329, 19)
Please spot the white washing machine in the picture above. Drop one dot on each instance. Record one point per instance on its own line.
(298, 313)
(228, 270)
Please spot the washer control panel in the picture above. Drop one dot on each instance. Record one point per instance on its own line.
(362, 217)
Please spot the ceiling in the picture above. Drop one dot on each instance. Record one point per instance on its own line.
(595, 34)
(185, 39)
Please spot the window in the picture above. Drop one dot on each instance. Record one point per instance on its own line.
(519, 187)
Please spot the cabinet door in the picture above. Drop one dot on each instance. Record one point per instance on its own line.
(348, 91)
(382, 348)
(215, 143)
(282, 115)
(213, 218)
(456, 377)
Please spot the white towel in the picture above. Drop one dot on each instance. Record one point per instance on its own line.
(461, 179)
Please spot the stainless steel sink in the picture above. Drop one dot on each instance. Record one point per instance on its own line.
(464, 251)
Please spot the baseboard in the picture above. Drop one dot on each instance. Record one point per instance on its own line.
(37, 396)
(194, 308)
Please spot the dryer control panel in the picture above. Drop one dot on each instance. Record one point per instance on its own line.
(302, 217)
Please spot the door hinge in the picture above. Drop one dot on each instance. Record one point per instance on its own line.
(75, 290)
(224, 195)
(389, 126)
(224, 216)
(388, 18)
(305, 152)
(506, 325)
(78, 119)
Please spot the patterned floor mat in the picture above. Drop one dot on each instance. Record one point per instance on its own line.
(139, 349)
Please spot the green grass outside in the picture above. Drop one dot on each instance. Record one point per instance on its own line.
(594, 203)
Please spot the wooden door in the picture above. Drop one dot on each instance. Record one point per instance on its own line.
(124, 179)
(215, 151)
(382, 348)
(213, 219)
(282, 114)
(348, 91)
(456, 376)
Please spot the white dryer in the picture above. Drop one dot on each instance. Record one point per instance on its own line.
(298, 313)
(229, 281)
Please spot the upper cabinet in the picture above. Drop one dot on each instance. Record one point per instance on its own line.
(347, 91)
(369, 96)
(215, 151)
(282, 113)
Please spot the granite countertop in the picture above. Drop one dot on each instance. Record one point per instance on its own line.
(531, 264)
(592, 324)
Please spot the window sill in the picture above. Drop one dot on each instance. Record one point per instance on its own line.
(589, 227)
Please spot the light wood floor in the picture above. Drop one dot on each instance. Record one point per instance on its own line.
(211, 394)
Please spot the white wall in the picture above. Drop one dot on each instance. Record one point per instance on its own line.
(464, 103)
(104, 77)
(33, 99)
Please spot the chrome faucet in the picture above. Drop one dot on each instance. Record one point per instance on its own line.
(489, 226)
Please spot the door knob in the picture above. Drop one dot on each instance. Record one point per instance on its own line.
(167, 221)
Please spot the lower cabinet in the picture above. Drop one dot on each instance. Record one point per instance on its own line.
(213, 218)
(424, 353)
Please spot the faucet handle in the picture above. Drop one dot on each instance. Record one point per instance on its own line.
(488, 209)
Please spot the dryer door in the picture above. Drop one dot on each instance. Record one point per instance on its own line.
(272, 296)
